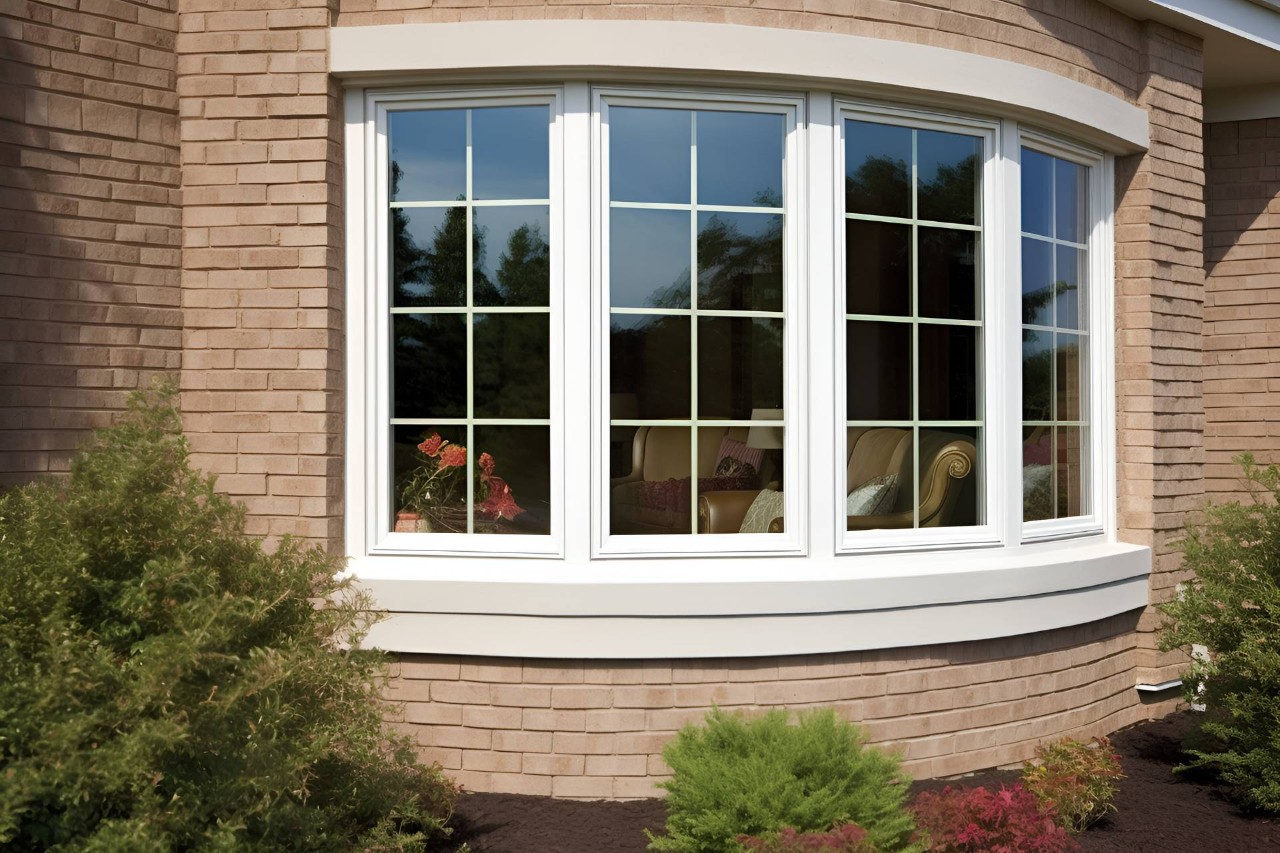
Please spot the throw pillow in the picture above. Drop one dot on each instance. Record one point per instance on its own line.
(737, 460)
(874, 497)
(764, 509)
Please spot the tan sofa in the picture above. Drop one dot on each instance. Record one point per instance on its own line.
(661, 455)
(947, 485)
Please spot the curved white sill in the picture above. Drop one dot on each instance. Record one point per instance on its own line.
(1005, 88)
(679, 608)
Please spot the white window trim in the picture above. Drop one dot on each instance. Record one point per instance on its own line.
(982, 590)
(990, 405)
(1100, 338)
(378, 504)
(792, 541)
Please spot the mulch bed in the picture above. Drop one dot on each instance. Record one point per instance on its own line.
(1158, 811)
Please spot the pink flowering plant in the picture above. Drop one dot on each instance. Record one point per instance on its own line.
(437, 488)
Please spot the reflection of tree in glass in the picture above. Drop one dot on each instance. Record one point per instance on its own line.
(1038, 300)
(524, 269)
(1037, 367)
(737, 270)
(878, 186)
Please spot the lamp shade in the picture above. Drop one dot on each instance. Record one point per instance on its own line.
(765, 436)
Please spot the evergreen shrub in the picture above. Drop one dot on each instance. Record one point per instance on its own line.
(738, 776)
(170, 685)
(1232, 606)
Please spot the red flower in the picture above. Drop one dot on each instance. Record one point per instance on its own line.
(501, 503)
(452, 456)
(431, 446)
(486, 465)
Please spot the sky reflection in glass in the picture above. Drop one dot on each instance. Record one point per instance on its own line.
(649, 156)
(509, 152)
(428, 155)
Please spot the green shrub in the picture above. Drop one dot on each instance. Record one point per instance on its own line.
(1079, 779)
(1232, 606)
(169, 685)
(737, 776)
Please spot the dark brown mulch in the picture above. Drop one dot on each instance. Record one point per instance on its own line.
(1158, 811)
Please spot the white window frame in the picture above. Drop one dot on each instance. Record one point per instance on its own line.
(1100, 356)
(378, 506)
(989, 406)
(790, 542)
(561, 596)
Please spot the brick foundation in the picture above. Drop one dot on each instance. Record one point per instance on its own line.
(585, 729)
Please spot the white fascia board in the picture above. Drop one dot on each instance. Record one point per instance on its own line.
(926, 73)
(612, 637)
(1255, 20)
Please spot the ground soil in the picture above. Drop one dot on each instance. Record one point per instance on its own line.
(1159, 812)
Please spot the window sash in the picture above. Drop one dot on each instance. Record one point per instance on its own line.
(604, 543)
(381, 506)
(1096, 422)
(988, 418)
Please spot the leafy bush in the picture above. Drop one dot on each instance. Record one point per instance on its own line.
(737, 776)
(977, 820)
(169, 685)
(1232, 606)
(1078, 778)
(847, 838)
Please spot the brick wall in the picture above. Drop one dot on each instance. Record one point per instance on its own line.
(596, 729)
(1159, 311)
(89, 219)
(261, 275)
(1242, 300)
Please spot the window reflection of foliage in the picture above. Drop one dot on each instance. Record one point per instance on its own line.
(740, 271)
(952, 192)
(879, 185)
(511, 368)
(1037, 370)
(1039, 299)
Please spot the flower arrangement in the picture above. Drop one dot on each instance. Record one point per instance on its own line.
(436, 490)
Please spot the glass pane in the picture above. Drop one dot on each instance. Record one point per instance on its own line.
(512, 258)
(513, 479)
(649, 358)
(1037, 193)
(949, 477)
(649, 154)
(429, 485)
(877, 162)
(877, 268)
(1037, 379)
(1069, 455)
(429, 256)
(740, 158)
(510, 152)
(1070, 378)
(948, 373)
(511, 367)
(740, 261)
(429, 367)
(1037, 282)
(428, 155)
(1037, 473)
(1069, 200)
(1070, 288)
(740, 478)
(947, 169)
(880, 478)
(739, 366)
(655, 497)
(948, 281)
(649, 258)
(878, 370)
